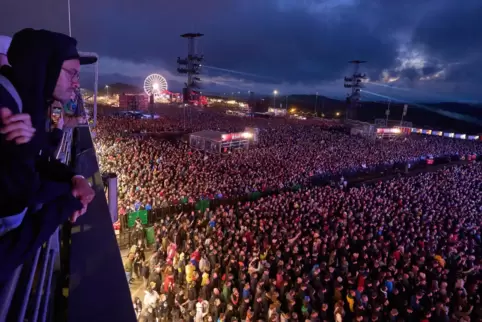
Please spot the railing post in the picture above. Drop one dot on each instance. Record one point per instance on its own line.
(111, 182)
(7, 294)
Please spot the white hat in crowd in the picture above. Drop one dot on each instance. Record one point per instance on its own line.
(4, 44)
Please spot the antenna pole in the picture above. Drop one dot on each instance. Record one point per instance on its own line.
(316, 103)
(70, 22)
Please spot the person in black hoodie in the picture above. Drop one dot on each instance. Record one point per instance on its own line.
(44, 67)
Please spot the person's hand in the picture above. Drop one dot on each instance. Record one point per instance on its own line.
(18, 127)
(60, 122)
(82, 191)
(81, 119)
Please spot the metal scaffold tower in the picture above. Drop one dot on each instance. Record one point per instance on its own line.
(191, 66)
(251, 102)
(355, 82)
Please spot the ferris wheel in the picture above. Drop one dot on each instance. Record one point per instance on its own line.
(155, 84)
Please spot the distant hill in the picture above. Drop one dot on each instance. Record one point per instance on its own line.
(430, 115)
(120, 88)
(114, 89)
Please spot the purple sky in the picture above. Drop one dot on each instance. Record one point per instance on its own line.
(425, 50)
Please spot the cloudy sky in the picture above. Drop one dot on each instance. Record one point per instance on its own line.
(416, 49)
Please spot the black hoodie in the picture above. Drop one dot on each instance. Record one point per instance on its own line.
(28, 177)
(36, 57)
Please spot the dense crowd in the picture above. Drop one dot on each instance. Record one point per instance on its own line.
(155, 172)
(408, 249)
(401, 250)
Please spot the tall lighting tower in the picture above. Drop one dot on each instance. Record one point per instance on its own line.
(191, 66)
(355, 82)
(251, 101)
(151, 105)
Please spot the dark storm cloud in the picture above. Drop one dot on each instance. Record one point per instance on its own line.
(454, 36)
(294, 45)
(290, 43)
(454, 33)
(253, 37)
(410, 74)
(429, 70)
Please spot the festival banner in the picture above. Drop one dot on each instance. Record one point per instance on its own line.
(202, 205)
(131, 218)
(255, 195)
(150, 235)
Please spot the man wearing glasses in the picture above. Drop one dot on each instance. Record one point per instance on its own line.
(44, 68)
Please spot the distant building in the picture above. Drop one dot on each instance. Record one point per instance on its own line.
(277, 111)
(134, 101)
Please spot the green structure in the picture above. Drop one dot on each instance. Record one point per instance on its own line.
(150, 235)
(202, 205)
(131, 218)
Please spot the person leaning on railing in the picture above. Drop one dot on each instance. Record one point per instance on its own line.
(38, 191)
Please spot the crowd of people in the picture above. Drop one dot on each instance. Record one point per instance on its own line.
(407, 249)
(156, 173)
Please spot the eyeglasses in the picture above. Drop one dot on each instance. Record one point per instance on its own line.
(73, 74)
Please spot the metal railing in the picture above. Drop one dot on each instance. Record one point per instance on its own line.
(26, 296)
(97, 283)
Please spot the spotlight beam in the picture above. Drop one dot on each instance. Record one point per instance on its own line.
(239, 72)
(453, 115)
(404, 89)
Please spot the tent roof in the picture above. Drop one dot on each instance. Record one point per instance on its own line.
(210, 135)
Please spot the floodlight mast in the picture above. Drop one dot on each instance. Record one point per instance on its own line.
(191, 66)
(355, 82)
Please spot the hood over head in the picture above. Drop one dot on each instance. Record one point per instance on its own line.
(36, 58)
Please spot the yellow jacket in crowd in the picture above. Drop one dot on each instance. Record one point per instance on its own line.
(440, 260)
(351, 303)
(190, 272)
(205, 279)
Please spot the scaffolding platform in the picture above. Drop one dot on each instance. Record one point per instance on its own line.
(219, 142)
